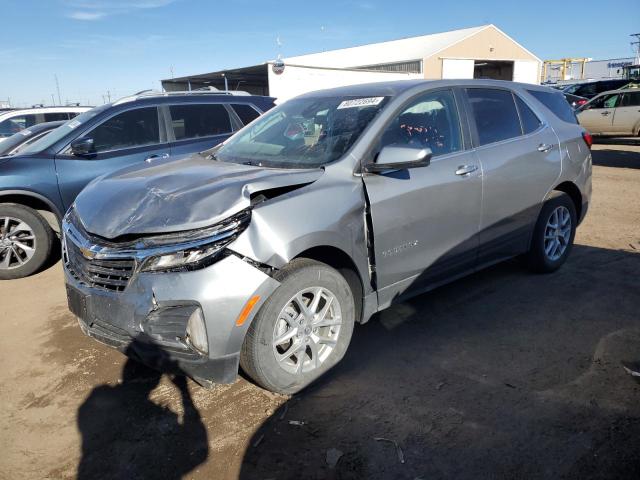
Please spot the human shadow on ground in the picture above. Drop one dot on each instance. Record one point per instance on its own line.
(127, 435)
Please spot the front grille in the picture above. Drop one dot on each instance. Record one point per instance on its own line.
(112, 275)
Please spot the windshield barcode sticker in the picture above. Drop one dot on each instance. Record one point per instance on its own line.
(360, 102)
(73, 124)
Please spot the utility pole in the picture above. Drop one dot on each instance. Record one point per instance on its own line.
(109, 95)
(58, 89)
(636, 45)
(53, 100)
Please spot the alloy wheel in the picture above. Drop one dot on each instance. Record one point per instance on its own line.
(17, 243)
(557, 233)
(307, 330)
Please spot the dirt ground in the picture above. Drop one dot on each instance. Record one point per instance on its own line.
(503, 374)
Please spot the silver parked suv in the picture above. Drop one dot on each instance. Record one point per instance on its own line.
(266, 250)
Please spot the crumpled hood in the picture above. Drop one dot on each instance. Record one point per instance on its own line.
(176, 195)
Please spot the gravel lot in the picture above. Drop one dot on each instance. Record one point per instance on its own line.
(500, 375)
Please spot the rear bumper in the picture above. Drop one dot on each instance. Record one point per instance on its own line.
(147, 321)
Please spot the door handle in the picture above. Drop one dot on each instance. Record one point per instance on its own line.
(604, 114)
(466, 169)
(151, 158)
(543, 147)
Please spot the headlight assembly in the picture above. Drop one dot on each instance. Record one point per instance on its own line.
(191, 250)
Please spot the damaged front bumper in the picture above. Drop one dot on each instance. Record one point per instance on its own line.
(147, 319)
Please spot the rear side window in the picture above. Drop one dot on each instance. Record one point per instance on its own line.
(495, 114)
(556, 103)
(246, 112)
(630, 99)
(530, 121)
(133, 128)
(54, 117)
(204, 120)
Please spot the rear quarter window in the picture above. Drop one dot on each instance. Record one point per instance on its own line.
(557, 104)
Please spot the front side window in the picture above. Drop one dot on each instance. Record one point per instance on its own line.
(130, 129)
(14, 124)
(431, 121)
(604, 101)
(302, 133)
(495, 114)
(204, 120)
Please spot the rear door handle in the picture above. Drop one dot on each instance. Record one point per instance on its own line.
(150, 158)
(543, 147)
(466, 169)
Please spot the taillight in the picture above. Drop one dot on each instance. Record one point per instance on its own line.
(588, 139)
(581, 102)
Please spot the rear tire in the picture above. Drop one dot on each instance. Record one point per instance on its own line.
(302, 330)
(25, 241)
(553, 234)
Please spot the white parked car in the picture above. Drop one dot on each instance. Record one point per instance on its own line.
(612, 113)
(12, 121)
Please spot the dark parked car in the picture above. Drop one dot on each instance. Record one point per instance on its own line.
(21, 140)
(38, 185)
(575, 101)
(591, 89)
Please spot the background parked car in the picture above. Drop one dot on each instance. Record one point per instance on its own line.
(574, 100)
(591, 89)
(18, 141)
(39, 185)
(12, 121)
(612, 113)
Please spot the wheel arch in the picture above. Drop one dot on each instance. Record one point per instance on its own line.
(37, 202)
(343, 263)
(574, 193)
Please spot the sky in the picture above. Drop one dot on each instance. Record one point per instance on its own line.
(100, 49)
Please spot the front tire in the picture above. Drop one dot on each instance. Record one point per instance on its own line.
(553, 234)
(25, 241)
(302, 330)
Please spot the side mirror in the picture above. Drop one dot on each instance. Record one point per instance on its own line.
(82, 147)
(394, 157)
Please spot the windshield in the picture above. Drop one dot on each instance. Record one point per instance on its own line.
(63, 130)
(302, 133)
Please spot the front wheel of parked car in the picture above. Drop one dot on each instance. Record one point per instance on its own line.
(25, 241)
(302, 330)
(553, 234)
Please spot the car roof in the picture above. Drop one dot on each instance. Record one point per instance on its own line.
(397, 87)
(33, 110)
(160, 98)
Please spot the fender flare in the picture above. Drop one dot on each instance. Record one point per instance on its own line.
(27, 193)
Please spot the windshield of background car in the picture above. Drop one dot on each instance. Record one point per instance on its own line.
(63, 130)
(303, 133)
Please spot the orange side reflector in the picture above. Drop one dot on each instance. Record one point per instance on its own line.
(247, 310)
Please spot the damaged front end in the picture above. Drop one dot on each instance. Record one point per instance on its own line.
(173, 298)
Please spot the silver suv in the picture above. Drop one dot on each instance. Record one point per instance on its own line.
(265, 251)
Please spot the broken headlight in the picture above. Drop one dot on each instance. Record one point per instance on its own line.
(194, 249)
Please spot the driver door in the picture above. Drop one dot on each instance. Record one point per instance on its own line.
(127, 138)
(425, 220)
(597, 116)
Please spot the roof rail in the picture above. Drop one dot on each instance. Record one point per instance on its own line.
(155, 93)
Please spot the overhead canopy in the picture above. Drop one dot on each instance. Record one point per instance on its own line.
(253, 79)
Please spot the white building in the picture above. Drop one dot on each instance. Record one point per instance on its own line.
(593, 70)
(478, 52)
